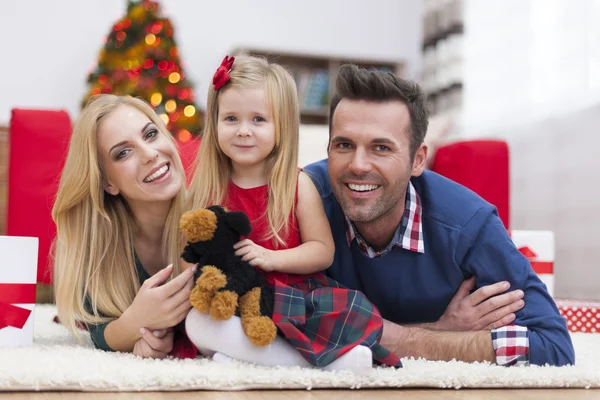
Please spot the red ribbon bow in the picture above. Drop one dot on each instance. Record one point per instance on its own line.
(222, 75)
(15, 293)
(540, 267)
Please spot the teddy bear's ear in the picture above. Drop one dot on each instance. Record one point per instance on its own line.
(218, 210)
(198, 225)
(239, 222)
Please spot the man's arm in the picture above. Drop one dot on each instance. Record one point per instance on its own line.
(491, 256)
(435, 345)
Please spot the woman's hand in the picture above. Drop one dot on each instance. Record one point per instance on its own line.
(255, 255)
(154, 344)
(158, 305)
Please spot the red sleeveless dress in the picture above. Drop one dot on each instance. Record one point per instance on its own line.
(317, 315)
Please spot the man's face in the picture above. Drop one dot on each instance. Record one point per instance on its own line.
(369, 159)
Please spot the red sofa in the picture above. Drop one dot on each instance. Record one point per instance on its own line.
(38, 146)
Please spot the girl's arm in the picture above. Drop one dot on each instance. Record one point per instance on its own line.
(316, 251)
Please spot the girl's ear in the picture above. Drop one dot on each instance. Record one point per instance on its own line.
(239, 222)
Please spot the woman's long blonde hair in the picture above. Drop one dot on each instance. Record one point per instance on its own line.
(93, 250)
(213, 167)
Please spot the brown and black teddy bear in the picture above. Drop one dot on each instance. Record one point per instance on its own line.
(223, 280)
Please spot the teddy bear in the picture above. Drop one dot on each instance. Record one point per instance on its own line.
(224, 284)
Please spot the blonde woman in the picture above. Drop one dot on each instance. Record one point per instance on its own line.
(117, 211)
(248, 162)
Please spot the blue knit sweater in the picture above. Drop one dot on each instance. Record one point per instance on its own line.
(463, 236)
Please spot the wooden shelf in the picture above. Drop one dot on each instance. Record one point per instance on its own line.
(315, 77)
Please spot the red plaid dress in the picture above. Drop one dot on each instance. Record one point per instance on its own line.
(317, 315)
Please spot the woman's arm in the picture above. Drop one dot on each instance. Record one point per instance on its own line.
(122, 333)
(157, 305)
(317, 249)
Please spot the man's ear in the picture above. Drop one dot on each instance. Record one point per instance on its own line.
(239, 222)
(419, 160)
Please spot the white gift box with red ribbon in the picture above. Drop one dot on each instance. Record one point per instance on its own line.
(538, 247)
(18, 273)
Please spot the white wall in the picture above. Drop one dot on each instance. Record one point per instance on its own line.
(47, 48)
(532, 77)
(528, 59)
(554, 186)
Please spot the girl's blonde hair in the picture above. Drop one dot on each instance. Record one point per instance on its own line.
(213, 167)
(94, 266)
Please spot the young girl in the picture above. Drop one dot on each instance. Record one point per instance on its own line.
(117, 212)
(248, 161)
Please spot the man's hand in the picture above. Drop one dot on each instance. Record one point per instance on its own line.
(154, 344)
(482, 309)
(255, 255)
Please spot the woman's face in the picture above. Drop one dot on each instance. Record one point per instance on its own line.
(137, 159)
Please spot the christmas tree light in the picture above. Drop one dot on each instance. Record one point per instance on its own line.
(140, 59)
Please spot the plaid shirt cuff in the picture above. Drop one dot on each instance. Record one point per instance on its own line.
(511, 345)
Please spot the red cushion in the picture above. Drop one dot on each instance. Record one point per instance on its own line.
(480, 165)
(38, 143)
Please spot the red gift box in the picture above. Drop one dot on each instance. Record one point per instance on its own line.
(18, 271)
(538, 247)
(581, 315)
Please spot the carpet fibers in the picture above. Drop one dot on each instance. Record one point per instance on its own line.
(57, 361)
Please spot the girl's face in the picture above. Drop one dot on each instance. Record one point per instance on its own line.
(137, 159)
(245, 128)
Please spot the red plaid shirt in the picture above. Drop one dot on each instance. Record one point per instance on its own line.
(511, 342)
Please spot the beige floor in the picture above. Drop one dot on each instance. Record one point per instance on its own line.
(465, 394)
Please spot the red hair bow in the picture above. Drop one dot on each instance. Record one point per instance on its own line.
(222, 75)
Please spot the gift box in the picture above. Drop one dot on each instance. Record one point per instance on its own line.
(18, 273)
(538, 247)
(581, 315)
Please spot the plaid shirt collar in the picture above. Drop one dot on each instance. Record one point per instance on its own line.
(408, 235)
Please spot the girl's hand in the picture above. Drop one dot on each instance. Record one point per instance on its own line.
(158, 305)
(154, 344)
(255, 255)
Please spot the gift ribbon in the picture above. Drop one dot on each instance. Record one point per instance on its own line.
(15, 293)
(540, 267)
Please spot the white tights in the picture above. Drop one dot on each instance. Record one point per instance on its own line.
(225, 340)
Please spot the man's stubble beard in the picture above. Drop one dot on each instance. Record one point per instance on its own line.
(382, 206)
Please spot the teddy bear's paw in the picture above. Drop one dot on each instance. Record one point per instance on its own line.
(250, 303)
(200, 299)
(211, 279)
(224, 305)
(261, 331)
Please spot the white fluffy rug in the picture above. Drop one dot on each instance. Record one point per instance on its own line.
(57, 362)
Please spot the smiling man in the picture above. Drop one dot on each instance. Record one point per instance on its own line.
(415, 242)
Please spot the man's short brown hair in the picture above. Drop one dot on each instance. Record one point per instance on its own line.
(357, 83)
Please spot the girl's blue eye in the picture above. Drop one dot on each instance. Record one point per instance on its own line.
(230, 119)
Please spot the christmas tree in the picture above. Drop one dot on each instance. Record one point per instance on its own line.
(140, 59)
